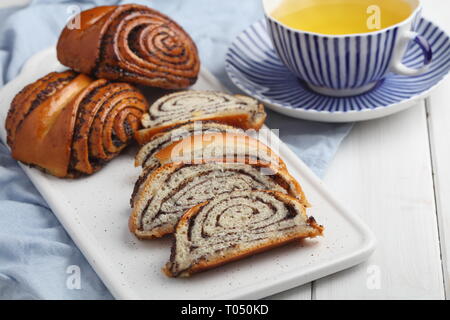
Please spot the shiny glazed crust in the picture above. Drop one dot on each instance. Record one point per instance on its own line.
(189, 145)
(68, 124)
(178, 132)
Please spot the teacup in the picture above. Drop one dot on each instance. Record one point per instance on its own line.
(346, 65)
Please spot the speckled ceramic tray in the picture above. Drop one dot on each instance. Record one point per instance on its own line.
(95, 210)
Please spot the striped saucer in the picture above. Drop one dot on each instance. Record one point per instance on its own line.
(253, 65)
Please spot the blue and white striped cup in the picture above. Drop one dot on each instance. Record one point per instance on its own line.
(346, 65)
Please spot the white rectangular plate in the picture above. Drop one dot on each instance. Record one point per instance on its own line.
(95, 210)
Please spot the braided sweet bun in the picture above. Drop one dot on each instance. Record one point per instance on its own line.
(131, 43)
(167, 193)
(235, 225)
(180, 107)
(70, 125)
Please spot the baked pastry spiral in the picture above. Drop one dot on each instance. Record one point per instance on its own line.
(226, 146)
(235, 225)
(171, 190)
(180, 107)
(163, 139)
(70, 125)
(229, 146)
(131, 43)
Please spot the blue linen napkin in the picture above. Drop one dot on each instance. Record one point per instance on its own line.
(37, 257)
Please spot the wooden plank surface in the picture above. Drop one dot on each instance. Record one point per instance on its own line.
(383, 173)
(438, 108)
(398, 165)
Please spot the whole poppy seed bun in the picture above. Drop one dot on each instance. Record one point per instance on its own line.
(70, 125)
(131, 43)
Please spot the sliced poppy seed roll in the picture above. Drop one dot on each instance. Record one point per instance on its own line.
(225, 146)
(235, 225)
(219, 147)
(167, 193)
(163, 139)
(180, 107)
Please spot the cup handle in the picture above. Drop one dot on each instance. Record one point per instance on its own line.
(399, 68)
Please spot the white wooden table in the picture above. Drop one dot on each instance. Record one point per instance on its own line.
(395, 172)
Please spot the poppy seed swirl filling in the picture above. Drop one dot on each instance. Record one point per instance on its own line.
(150, 46)
(170, 191)
(108, 115)
(185, 105)
(234, 225)
(229, 146)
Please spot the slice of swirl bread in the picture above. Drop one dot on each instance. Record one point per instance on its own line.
(227, 146)
(167, 193)
(163, 139)
(235, 225)
(180, 107)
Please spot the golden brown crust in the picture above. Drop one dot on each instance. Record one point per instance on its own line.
(28, 98)
(79, 48)
(201, 141)
(43, 136)
(130, 43)
(203, 265)
(243, 121)
(60, 122)
(187, 129)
